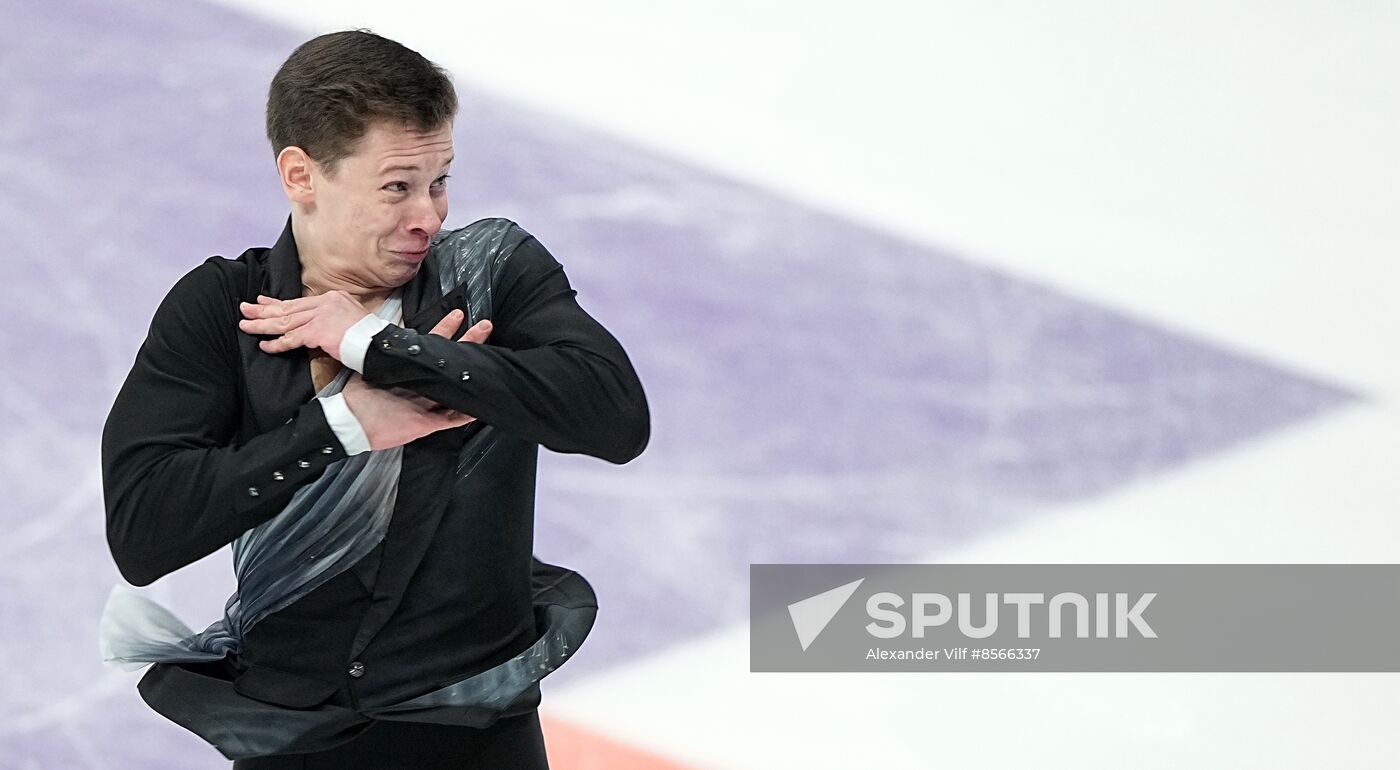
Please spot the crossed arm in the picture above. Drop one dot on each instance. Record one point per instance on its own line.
(552, 375)
(178, 484)
(363, 417)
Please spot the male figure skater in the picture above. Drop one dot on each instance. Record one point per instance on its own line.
(465, 349)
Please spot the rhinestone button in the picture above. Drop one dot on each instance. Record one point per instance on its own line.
(252, 491)
(303, 463)
(277, 476)
(357, 669)
(441, 362)
(325, 450)
(415, 349)
(386, 344)
(466, 376)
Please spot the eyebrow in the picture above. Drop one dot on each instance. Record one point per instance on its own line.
(411, 166)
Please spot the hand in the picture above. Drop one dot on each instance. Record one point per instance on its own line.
(452, 320)
(311, 322)
(392, 419)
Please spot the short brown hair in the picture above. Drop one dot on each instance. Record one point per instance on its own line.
(332, 87)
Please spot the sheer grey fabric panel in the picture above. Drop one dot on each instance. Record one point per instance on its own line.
(327, 526)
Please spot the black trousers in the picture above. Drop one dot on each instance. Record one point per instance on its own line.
(512, 743)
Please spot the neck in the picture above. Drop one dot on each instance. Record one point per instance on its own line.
(322, 272)
(317, 281)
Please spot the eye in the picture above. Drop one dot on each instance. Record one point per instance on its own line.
(397, 187)
(442, 180)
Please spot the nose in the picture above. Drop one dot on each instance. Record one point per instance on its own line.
(425, 215)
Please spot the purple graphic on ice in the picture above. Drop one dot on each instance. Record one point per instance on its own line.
(820, 391)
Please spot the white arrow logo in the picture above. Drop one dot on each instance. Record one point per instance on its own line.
(811, 615)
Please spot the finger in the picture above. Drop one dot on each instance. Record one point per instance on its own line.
(261, 310)
(448, 324)
(275, 324)
(269, 307)
(300, 305)
(425, 403)
(455, 419)
(477, 333)
(281, 344)
(445, 411)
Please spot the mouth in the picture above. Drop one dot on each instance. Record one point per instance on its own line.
(411, 256)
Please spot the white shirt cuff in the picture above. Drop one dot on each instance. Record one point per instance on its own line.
(355, 343)
(344, 424)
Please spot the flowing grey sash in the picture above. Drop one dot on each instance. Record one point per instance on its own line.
(328, 526)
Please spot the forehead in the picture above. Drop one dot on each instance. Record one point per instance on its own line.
(388, 145)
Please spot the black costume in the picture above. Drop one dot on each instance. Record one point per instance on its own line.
(210, 436)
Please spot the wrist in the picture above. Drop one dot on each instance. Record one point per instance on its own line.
(345, 424)
(354, 343)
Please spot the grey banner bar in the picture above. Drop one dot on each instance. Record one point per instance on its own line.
(1106, 617)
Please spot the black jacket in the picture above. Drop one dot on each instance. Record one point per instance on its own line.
(205, 419)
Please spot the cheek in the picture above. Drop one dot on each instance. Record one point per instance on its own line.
(351, 214)
(373, 219)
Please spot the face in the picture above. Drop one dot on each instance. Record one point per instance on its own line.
(369, 221)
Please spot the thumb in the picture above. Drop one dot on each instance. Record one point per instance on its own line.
(477, 333)
(448, 324)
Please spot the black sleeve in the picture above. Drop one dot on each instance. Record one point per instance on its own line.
(177, 486)
(549, 373)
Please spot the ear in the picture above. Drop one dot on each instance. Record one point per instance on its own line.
(298, 172)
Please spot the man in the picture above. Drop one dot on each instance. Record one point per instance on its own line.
(426, 651)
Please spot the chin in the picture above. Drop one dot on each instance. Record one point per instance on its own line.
(398, 271)
(405, 275)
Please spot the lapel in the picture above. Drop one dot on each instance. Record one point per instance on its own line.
(277, 386)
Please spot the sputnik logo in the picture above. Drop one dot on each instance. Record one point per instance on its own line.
(811, 615)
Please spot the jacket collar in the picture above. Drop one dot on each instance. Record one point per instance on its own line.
(282, 274)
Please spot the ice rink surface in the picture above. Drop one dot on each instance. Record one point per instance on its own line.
(994, 282)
